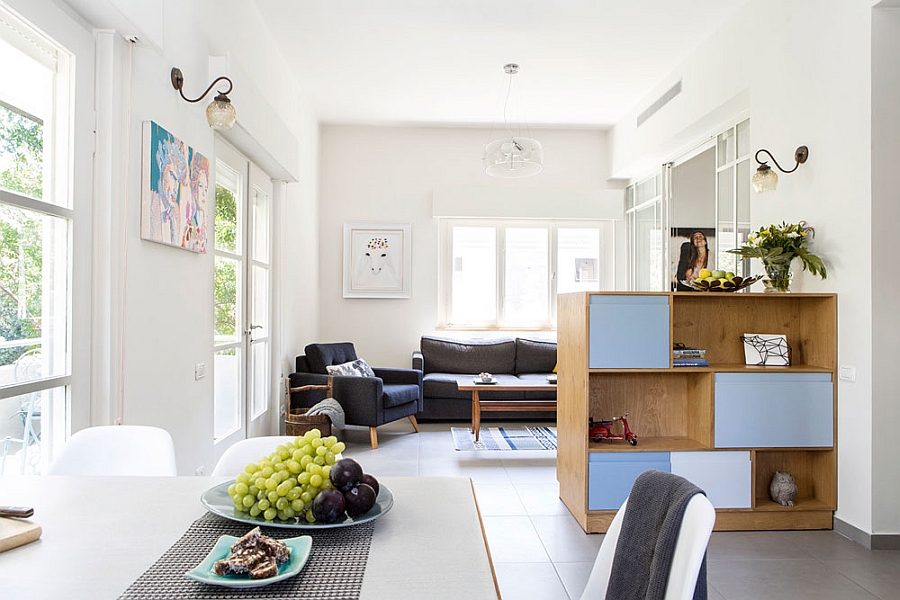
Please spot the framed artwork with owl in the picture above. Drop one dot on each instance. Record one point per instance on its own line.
(377, 260)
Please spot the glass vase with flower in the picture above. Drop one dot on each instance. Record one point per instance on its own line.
(777, 246)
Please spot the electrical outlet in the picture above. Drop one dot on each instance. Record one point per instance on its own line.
(201, 470)
(199, 370)
(847, 373)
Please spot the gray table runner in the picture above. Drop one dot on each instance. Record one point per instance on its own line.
(334, 570)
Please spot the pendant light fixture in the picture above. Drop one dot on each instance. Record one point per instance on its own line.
(513, 156)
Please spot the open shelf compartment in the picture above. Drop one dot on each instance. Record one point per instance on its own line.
(814, 473)
(666, 410)
(698, 321)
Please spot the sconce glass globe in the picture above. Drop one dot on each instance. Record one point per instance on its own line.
(220, 113)
(764, 180)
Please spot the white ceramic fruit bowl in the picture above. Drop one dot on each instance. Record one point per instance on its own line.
(738, 283)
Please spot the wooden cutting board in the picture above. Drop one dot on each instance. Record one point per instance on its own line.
(17, 532)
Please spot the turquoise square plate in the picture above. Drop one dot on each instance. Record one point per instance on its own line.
(300, 550)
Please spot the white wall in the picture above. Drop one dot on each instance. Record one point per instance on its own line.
(390, 175)
(805, 77)
(885, 249)
(164, 314)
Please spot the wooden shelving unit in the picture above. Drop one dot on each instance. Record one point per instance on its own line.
(673, 409)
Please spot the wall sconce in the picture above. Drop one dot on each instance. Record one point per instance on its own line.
(765, 179)
(220, 113)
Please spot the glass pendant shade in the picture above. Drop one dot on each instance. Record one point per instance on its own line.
(220, 113)
(513, 157)
(764, 180)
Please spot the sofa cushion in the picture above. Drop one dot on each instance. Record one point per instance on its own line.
(353, 368)
(471, 356)
(535, 356)
(399, 394)
(443, 385)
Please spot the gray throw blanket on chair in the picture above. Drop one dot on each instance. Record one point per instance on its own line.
(646, 544)
(331, 408)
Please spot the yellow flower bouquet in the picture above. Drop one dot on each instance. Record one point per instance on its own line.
(776, 246)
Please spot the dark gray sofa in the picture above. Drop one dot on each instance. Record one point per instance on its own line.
(443, 360)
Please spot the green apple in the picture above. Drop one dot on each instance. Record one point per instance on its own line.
(729, 275)
(718, 274)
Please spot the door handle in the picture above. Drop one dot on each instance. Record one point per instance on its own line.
(252, 327)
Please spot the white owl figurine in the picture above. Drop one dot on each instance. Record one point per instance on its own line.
(783, 489)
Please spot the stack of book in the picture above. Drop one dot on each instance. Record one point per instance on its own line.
(689, 357)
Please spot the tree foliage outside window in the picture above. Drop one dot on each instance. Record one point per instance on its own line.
(226, 219)
(21, 154)
(225, 270)
(21, 239)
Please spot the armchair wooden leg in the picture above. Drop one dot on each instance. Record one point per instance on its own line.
(373, 436)
(412, 419)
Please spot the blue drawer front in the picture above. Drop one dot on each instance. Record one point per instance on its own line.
(724, 475)
(629, 332)
(611, 475)
(774, 410)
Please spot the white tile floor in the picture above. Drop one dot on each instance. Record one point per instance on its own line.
(541, 553)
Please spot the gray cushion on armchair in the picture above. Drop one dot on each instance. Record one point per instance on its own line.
(320, 356)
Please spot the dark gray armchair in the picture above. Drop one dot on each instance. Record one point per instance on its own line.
(368, 401)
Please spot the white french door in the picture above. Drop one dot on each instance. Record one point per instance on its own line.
(243, 259)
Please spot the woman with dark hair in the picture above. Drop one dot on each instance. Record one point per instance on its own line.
(694, 257)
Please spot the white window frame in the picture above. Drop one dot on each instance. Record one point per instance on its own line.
(57, 202)
(445, 286)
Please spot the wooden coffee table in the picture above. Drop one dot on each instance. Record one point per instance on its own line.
(467, 384)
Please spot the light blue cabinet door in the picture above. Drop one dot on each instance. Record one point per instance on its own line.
(611, 475)
(774, 410)
(724, 476)
(629, 332)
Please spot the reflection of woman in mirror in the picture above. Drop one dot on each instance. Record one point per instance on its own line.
(694, 257)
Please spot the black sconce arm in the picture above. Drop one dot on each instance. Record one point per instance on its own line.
(178, 83)
(800, 155)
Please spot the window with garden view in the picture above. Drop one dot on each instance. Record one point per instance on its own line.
(35, 224)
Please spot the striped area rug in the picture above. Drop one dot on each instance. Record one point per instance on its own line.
(505, 438)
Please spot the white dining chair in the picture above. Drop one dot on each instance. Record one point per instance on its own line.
(693, 537)
(244, 452)
(116, 450)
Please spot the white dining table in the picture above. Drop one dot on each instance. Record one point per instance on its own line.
(101, 533)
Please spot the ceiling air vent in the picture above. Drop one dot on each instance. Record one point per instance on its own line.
(660, 102)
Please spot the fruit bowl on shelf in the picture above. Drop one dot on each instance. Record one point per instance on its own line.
(722, 284)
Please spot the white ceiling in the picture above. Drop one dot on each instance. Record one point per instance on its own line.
(439, 62)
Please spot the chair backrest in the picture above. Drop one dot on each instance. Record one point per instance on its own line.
(320, 356)
(117, 450)
(693, 537)
(244, 452)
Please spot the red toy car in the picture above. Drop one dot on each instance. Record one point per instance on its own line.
(603, 430)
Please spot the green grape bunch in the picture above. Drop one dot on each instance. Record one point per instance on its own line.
(283, 484)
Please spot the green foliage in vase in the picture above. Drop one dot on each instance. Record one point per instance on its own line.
(781, 244)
